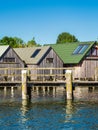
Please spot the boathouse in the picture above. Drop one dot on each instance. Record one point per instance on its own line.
(39, 57)
(9, 59)
(81, 56)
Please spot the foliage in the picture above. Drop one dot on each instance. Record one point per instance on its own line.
(13, 42)
(32, 43)
(19, 41)
(66, 37)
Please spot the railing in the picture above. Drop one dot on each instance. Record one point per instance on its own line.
(38, 74)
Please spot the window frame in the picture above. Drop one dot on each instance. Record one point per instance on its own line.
(9, 59)
(35, 53)
(49, 60)
(80, 49)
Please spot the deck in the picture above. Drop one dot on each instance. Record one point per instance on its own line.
(51, 83)
(57, 75)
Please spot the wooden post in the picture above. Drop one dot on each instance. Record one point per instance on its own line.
(54, 91)
(96, 75)
(43, 90)
(69, 92)
(13, 76)
(69, 108)
(6, 74)
(12, 91)
(5, 91)
(37, 90)
(48, 89)
(24, 84)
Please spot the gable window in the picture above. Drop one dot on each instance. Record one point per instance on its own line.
(81, 49)
(49, 60)
(9, 59)
(35, 53)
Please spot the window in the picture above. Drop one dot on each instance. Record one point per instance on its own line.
(49, 60)
(9, 59)
(80, 49)
(77, 49)
(35, 53)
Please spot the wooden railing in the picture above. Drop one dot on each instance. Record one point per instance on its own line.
(39, 74)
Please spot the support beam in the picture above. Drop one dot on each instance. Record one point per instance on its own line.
(96, 74)
(69, 91)
(24, 84)
(5, 91)
(12, 91)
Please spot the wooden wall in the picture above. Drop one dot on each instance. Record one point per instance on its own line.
(86, 69)
(17, 64)
(57, 63)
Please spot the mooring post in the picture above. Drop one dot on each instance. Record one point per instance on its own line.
(24, 84)
(96, 75)
(69, 91)
(12, 91)
(5, 91)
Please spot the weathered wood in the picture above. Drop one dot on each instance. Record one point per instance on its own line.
(24, 84)
(69, 92)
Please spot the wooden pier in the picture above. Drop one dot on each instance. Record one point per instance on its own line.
(28, 77)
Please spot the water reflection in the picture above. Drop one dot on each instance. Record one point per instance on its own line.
(48, 109)
(69, 107)
(5, 91)
(40, 93)
(86, 93)
(25, 106)
(12, 92)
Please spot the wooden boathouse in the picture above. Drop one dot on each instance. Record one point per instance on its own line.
(58, 64)
(24, 80)
(40, 57)
(9, 59)
(82, 56)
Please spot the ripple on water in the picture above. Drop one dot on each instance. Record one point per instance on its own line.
(48, 112)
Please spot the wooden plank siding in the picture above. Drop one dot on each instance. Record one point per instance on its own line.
(57, 63)
(9, 53)
(86, 68)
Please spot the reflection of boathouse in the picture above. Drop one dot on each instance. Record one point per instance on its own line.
(83, 56)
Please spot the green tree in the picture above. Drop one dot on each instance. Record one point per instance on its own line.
(31, 43)
(13, 42)
(66, 37)
(19, 41)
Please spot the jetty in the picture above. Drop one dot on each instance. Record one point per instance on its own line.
(30, 77)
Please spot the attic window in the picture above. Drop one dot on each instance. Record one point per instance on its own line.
(80, 49)
(49, 60)
(9, 59)
(35, 53)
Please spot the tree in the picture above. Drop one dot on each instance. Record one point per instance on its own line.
(31, 43)
(13, 42)
(19, 41)
(66, 37)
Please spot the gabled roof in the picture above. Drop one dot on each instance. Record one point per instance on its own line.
(65, 51)
(26, 54)
(3, 49)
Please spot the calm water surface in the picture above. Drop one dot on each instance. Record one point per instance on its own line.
(49, 110)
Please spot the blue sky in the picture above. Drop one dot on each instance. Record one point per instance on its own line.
(46, 19)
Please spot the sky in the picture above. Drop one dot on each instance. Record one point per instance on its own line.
(46, 19)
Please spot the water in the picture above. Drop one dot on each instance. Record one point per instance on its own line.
(49, 110)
